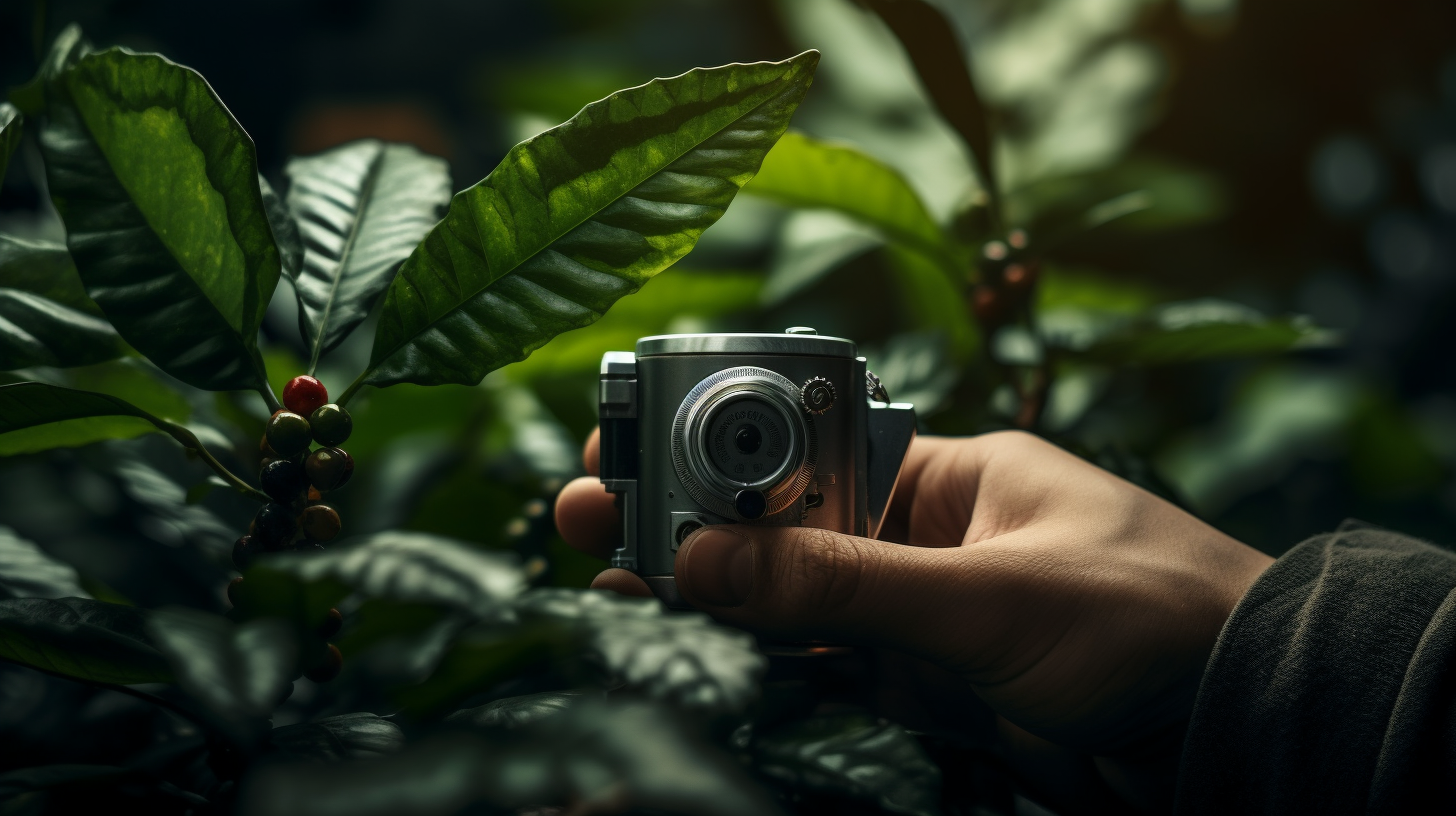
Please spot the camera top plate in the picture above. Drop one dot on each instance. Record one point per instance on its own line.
(796, 344)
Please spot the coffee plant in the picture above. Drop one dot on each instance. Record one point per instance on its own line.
(407, 671)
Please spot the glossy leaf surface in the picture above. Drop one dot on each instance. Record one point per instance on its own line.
(852, 755)
(346, 736)
(23, 405)
(362, 208)
(158, 187)
(237, 672)
(579, 216)
(802, 171)
(80, 638)
(44, 268)
(515, 712)
(27, 571)
(11, 126)
(35, 331)
(1200, 330)
(127, 380)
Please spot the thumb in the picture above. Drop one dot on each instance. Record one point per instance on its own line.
(804, 583)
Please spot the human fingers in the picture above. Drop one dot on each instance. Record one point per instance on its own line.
(591, 453)
(621, 582)
(803, 583)
(587, 517)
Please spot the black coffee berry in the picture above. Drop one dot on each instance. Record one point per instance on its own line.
(274, 526)
(320, 522)
(232, 590)
(331, 425)
(329, 468)
(284, 480)
(331, 625)
(245, 551)
(288, 434)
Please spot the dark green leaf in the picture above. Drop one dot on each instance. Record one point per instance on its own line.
(480, 658)
(801, 171)
(1198, 330)
(79, 638)
(128, 379)
(346, 736)
(683, 658)
(35, 331)
(851, 755)
(44, 269)
(284, 224)
(167, 500)
(239, 673)
(515, 712)
(362, 209)
(934, 49)
(69, 46)
(596, 757)
(26, 571)
(23, 405)
(409, 566)
(577, 217)
(11, 125)
(1141, 194)
(200, 491)
(158, 187)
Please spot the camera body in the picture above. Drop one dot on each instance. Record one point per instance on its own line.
(771, 429)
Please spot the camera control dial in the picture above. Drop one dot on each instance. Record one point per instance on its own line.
(817, 395)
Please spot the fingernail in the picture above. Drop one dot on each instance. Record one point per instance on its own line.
(718, 567)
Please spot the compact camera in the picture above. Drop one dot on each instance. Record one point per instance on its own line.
(773, 429)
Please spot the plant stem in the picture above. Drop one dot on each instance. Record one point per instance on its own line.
(191, 442)
(350, 391)
(269, 397)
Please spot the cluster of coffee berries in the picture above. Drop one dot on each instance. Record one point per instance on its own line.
(1007, 277)
(296, 475)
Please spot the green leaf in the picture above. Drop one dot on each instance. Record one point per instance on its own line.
(933, 47)
(665, 302)
(69, 46)
(577, 217)
(515, 712)
(35, 331)
(411, 567)
(11, 126)
(596, 757)
(932, 303)
(158, 187)
(682, 658)
(801, 171)
(1142, 194)
(239, 673)
(129, 380)
(346, 736)
(82, 639)
(44, 269)
(23, 405)
(480, 658)
(1206, 329)
(853, 756)
(362, 209)
(26, 571)
(285, 229)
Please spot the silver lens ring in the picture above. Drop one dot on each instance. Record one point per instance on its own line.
(693, 442)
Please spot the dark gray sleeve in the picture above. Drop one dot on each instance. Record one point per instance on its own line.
(1332, 688)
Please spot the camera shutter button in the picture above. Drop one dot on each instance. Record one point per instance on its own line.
(817, 395)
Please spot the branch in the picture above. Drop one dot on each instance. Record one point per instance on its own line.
(191, 442)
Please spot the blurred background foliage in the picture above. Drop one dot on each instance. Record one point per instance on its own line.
(1288, 157)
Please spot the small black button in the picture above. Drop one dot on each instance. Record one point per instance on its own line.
(750, 504)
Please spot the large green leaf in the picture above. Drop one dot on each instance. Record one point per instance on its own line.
(158, 187)
(577, 217)
(11, 124)
(41, 416)
(851, 755)
(35, 331)
(1197, 330)
(345, 736)
(362, 208)
(516, 712)
(44, 269)
(802, 171)
(80, 638)
(26, 571)
(239, 673)
(935, 50)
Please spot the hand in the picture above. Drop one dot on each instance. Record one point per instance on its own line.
(1080, 607)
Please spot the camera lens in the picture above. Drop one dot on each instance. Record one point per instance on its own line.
(748, 440)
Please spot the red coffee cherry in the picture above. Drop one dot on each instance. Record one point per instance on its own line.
(329, 468)
(304, 394)
(987, 303)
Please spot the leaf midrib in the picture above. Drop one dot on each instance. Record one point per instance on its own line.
(787, 76)
(365, 195)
